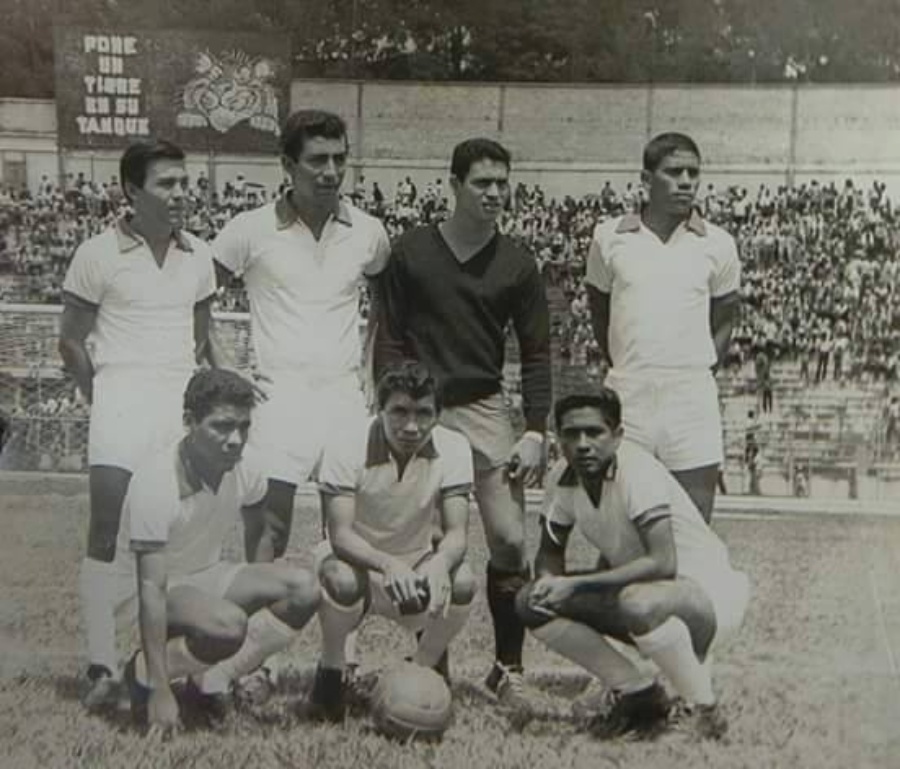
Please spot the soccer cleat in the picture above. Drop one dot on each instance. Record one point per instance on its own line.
(254, 689)
(103, 691)
(138, 694)
(704, 721)
(508, 683)
(592, 701)
(216, 708)
(327, 702)
(641, 713)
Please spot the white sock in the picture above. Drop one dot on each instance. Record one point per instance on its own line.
(592, 650)
(438, 633)
(97, 588)
(266, 634)
(337, 622)
(670, 647)
(180, 662)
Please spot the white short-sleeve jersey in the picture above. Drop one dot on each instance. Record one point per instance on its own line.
(660, 292)
(637, 488)
(166, 508)
(145, 312)
(395, 514)
(304, 292)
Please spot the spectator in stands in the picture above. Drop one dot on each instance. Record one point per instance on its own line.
(764, 381)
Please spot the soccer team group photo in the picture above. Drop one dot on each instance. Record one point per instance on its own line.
(351, 426)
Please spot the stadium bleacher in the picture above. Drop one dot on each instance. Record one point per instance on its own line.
(821, 273)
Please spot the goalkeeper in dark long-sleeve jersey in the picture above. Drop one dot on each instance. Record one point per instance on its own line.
(446, 298)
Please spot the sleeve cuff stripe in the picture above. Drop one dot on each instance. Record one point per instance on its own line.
(461, 489)
(78, 300)
(654, 514)
(147, 544)
(337, 490)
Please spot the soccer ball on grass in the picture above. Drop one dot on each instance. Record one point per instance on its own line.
(411, 701)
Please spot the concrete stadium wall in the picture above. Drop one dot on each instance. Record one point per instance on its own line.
(568, 138)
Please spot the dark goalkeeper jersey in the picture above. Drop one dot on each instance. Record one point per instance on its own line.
(452, 316)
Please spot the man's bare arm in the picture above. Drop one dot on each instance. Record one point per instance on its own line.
(78, 319)
(724, 314)
(551, 556)
(598, 303)
(152, 585)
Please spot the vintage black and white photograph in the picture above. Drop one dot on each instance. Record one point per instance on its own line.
(445, 384)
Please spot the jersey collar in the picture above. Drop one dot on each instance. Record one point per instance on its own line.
(378, 451)
(632, 223)
(286, 214)
(129, 238)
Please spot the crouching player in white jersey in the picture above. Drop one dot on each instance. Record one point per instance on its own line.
(664, 583)
(384, 491)
(195, 608)
(135, 323)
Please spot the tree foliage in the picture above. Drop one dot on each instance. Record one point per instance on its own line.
(737, 41)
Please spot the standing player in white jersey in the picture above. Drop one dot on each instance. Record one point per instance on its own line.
(200, 614)
(140, 294)
(665, 584)
(302, 259)
(663, 287)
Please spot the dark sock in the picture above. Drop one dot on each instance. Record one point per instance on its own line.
(509, 632)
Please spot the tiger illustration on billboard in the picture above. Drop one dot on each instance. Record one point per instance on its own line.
(229, 89)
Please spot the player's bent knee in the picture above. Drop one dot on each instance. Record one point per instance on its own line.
(303, 588)
(530, 618)
(640, 608)
(341, 581)
(464, 587)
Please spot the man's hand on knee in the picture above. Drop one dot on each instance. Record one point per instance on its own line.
(532, 616)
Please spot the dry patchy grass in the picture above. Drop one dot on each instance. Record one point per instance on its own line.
(809, 683)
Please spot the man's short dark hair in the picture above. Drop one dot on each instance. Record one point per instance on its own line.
(137, 159)
(665, 144)
(306, 124)
(469, 152)
(213, 387)
(605, 400)
(411, 378)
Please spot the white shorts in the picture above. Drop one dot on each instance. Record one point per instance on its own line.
(290, 429)
(380, 602)
(673, 416)
(729, 592)
(134, 411)
(487, 425)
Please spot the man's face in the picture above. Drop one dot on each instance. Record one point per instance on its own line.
(408, 422)
(316, 175)
(673, 186)
(484, 193)
(219, 438)
(162, 199)
(587, 441)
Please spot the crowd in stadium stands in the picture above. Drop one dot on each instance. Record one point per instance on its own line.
(821, 263)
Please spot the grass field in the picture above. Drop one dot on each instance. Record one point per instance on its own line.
(811, 682)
